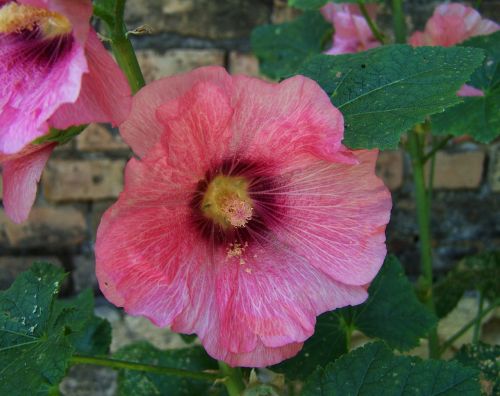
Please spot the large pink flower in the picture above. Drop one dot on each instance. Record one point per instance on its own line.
(243, 217)
(451, 24)
(352, 33)
(54, 72)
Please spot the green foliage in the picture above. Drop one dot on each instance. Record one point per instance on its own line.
(392, 313)
(480, 272)
(34, 344)
(60, 136)
(479, 116)
(327, 343)
(283, 48)
(38, 334)
(145, 383)
(383, 92)
(484, 358)
(315, 4)
(374, 370)
(307, 4)
(105, 10)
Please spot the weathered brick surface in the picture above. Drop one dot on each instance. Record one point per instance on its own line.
(494, 168)
(462, 170)
(82, 180)
(97, 137)
(390, 168)
(242, 63)
(155, 65)
(83, 273)
(47, 227)
(12, 266)
(210, 19)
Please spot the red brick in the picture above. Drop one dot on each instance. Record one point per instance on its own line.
(46, 227)
(390, 168)
(83, 180)
(98, 138)
(461, 170)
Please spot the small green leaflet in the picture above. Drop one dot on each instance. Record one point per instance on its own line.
(374, 370)
(60, 136)
(145, 384)
(392, 313)
(38, 334)
(385, 91)
(283, 48)
(477, 116)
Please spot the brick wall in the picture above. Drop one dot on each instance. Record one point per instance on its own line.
(85, 176)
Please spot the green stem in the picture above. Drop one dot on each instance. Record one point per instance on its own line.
(431, 154)
(123, 50)
(477, 325)
(122, 364)
(233, 379)
(467, 326)
(373, 27)
(415, 147)
(398, 21)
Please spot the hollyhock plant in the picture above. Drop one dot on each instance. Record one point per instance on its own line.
(451, 24)
(54, 72)
(243, 217)
(352, 33)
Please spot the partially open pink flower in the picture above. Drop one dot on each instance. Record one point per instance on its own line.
(54, 71)
(243, 217)
(451, 24)
(352, 33)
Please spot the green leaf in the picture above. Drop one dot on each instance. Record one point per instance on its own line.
(477, 116)
(142, 383)
(484, 358)
(188, 338)
(480, 272)
(315, 4)
(60, 136)
(383, 92)
(392, 313)
(307, 4)
(281, 49)
(35, 349)
(90, 335)
(105, 10)
(327, 344)
(374, 370)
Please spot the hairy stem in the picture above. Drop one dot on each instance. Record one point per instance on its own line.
(122, 364)
(415, 147)
(373, 27)
(233, 379)
(123, 50)
(398, 21)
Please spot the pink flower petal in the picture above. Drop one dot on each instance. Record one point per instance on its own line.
(21, 173)
(451, 24)
(105, 93)
(468, 90)
(142, 129)
(314, 239)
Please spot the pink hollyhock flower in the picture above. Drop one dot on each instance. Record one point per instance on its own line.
(352, 33)
(243, 217)
(451, 24)
(54, 72)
